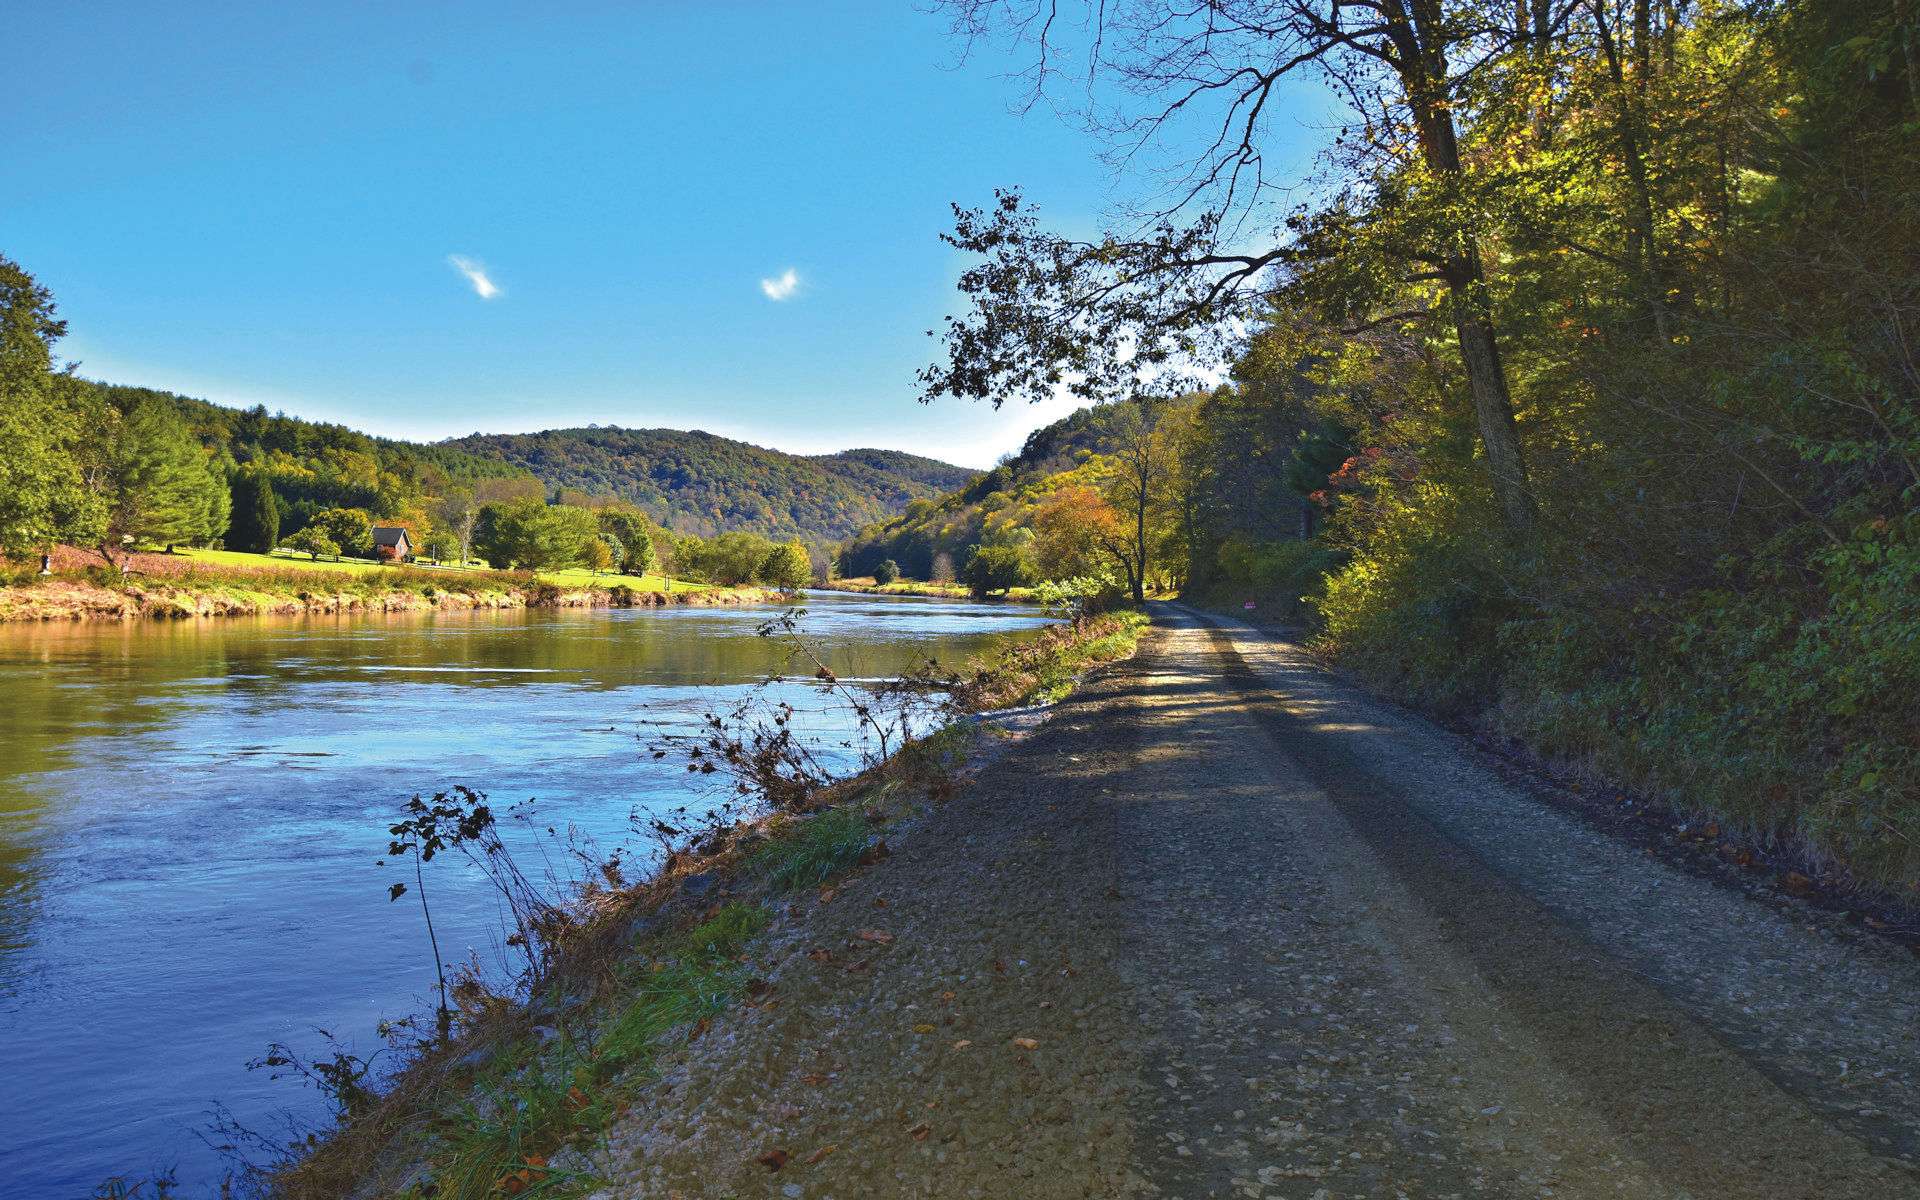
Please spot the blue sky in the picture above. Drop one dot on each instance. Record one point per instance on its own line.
(717, 216)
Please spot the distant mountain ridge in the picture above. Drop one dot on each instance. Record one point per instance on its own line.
(701, 483)
(688, 480)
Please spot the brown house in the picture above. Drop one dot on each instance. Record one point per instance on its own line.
(391, 544)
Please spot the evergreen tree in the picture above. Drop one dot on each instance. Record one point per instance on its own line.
(255, 525)
(161, 486)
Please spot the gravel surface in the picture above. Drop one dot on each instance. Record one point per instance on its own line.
(1224, 927)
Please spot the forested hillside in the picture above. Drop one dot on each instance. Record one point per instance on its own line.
(700, 483)
(1593, 361)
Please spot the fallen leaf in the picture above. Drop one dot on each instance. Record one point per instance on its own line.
(999, 967)
(813, 1080)
(820, 954)
(920, 1131)
(857, 967)
(875, 853)
(1797, 884)
(827, 894)
(880, 936)
(773, 1160)
(820, 1154)
(699, 1027)
(962, 1044)
(879, 901)
(947, 996)
(923, 1029)
(1026, 1043)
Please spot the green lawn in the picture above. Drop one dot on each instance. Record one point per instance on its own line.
(571, 578)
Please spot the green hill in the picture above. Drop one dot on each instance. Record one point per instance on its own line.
(700, 483)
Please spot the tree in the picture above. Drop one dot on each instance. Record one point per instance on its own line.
(455, 511)
(43, 495)
(730, 559)
(440, 544)
(1141, 466)
(1108, 315)
(1076, 533)
(941, 571)
(160, 485)
(886, 572)
(312, 541)
(631, 536)
(787, 567)
(349, 529)
(998, 569)
(599, 556)
(255, 523)
(532, 535)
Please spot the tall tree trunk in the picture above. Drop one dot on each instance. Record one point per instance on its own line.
(1641, 247)
(1492, 405)
(1415, 28)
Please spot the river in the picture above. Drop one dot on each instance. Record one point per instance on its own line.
(191, 815)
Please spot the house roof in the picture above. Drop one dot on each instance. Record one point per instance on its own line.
(390, 535)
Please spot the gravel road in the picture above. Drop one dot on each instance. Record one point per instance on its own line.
(1226, 927)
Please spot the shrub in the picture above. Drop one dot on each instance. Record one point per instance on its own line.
(886, 572)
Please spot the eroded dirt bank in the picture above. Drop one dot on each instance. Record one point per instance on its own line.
(1223, 927)
(83, 600)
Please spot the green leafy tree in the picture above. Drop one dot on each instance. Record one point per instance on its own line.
(630, 534)
(787, 567)
(43, 494)
(312, 541)
(599, 556)
(440, 544)
(886, 572)
(532, 535)
(349, 529)
(998, 569)
(255, 523)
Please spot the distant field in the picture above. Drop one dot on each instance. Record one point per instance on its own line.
(571, 578)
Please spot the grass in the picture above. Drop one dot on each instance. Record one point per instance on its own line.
(573, 577)
(807, 852)
(536, 1097)
(1046, 669)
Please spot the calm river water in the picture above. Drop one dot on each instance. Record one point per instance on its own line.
(191, 814)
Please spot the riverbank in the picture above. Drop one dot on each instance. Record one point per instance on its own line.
(167, 587)
(641, 968)
(868, 586)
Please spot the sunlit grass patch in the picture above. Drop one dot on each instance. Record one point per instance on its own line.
(806, 853)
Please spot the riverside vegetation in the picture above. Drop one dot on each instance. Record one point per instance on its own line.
(509, 1090)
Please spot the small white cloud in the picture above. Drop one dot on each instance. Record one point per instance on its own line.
(781, 286)
(476, 273)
